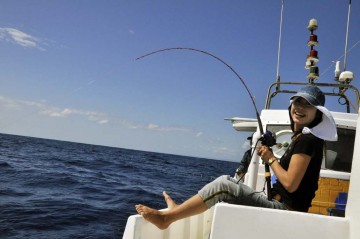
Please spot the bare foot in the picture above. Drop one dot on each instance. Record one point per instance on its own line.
(154, 216)
(170, 203)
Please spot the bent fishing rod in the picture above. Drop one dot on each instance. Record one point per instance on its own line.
(267, 138)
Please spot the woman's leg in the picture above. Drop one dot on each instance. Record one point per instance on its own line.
(193, 206)
(226, 189)
(162, 219)
(223, 188)
(170, 203)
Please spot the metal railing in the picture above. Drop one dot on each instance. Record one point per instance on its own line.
(341, 93)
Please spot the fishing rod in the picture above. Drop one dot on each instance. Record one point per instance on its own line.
(267, 138)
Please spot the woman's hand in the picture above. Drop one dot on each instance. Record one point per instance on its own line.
(265, 153)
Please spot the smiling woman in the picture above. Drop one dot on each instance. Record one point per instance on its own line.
(303, 113)
(297, 172)
(309, 114)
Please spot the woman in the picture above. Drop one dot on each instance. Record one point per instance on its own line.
(297, 172)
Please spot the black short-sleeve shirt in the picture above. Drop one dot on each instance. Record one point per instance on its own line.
(308, 144)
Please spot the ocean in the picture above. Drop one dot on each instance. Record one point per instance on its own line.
(54, 189)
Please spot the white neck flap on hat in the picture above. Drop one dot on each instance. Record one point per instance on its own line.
(326, 129)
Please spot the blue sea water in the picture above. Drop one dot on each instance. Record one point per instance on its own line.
(54, 189)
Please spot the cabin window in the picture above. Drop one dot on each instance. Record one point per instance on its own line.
(338, 154)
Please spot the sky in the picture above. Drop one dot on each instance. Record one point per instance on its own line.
(68, 68)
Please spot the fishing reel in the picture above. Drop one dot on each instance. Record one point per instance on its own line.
(268, 139)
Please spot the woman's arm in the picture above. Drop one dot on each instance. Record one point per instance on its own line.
(292, 177)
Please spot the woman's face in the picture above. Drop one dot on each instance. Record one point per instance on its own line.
(302, 113)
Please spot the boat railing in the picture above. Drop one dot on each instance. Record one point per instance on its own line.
(342, 92)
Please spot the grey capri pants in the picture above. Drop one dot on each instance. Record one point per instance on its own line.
(226, 189)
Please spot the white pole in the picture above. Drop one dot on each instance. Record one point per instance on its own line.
(347, 35)
(278, 60)
(251, 180)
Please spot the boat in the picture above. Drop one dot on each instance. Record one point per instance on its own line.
(335, 208)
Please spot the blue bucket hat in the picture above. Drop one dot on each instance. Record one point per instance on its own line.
(326, 129)
(312, 94)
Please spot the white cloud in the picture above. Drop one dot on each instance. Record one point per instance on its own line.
(104, 121)
(169, 129)
(153, 126)
(53, 111)
(20, 38)
(8, 103)
(98, 117)
(224, 151)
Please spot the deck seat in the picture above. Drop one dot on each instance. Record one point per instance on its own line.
(234, 221)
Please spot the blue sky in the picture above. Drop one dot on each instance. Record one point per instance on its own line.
(68, 68)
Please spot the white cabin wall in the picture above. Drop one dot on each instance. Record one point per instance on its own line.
(353, 207)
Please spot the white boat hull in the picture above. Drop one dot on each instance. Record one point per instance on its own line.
(195, 227)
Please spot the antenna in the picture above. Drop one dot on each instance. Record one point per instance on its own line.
(347, 35)
(278, 61)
